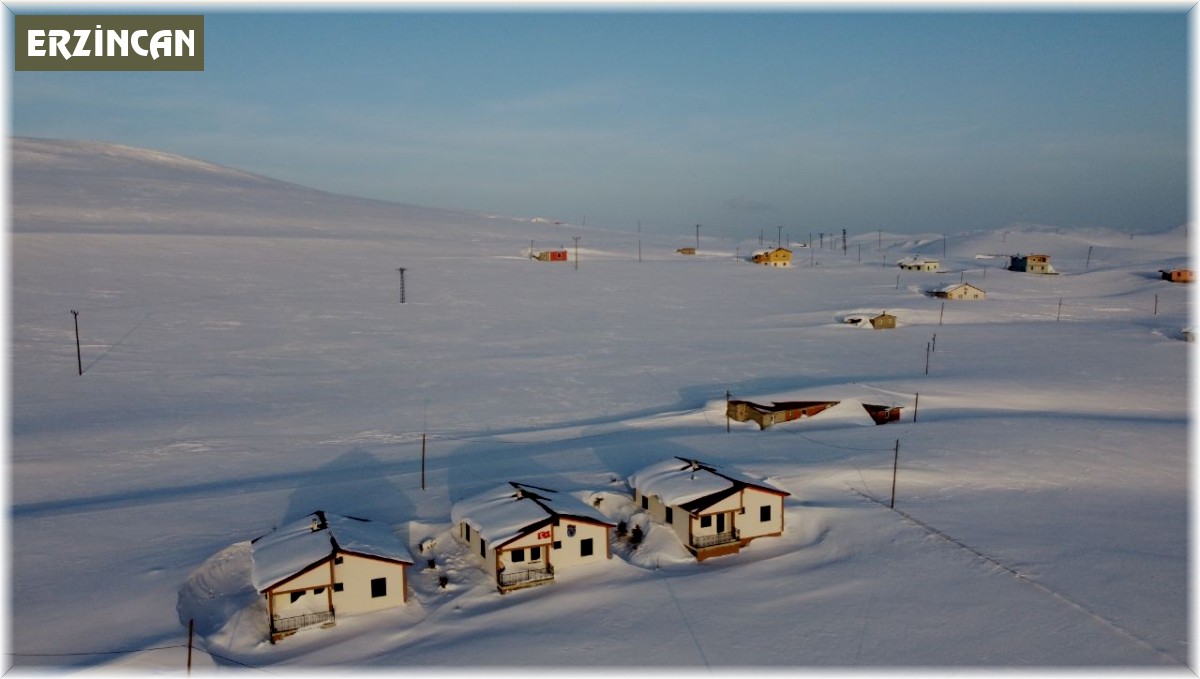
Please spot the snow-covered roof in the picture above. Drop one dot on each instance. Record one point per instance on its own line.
(514, 509)
(955, 286)
(294, 547)
(677, 481)
(767, 251)
(918, 259)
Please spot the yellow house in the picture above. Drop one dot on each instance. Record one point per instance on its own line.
(960, 291)
(773, 257)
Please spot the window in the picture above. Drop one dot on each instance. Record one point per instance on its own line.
(518, 555)
(670, 516)
(764, 513)
(558, 544)
(705, 521)
(337, 560)
(482, 548)
(645, 502)
(535, 553)
(319, 590)
(467, 532)
(378, 588)
(585, 547)
(296, 596)
(337, 587)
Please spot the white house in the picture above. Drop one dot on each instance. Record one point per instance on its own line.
(525, 533)
(919, 264)
(712, 512)
(959, 291)
(325, 565)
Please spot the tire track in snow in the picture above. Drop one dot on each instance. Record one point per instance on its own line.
(1027, 580)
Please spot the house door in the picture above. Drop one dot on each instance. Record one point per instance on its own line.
(720, 523)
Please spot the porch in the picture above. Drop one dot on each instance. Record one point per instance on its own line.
(717, 544)
(284, 627)
(509, 581)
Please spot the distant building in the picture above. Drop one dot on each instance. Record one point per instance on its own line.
(772, 257)
(919, 264)
(323, 563)
(1031, 264)
(959, 291)
(686, 251)
(552, 256)
(1178, 275)
(882, 414)
(524, 533)
(765, 416)
(713, 513)
(883, 321)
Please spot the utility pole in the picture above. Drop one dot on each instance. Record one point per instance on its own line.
(916, 405)
(934, 344)
(943, 246)
(401, 270)
(1155, 303)
(191, 628)
(1088, 265)
(79, 353)
(843, 242)
(1059, 316)
(860, 253)
(941, 313)
(927, 358)
(422, 461)
(576, 252)
(895, 466)
(697, 238)
(822, 237)
(639, 249)
(779, 238)
(531, 255)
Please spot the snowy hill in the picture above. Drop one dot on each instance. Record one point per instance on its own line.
(247, 361)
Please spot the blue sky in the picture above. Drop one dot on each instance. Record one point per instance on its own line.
(903, 121)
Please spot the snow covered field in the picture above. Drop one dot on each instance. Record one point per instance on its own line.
(247, 361)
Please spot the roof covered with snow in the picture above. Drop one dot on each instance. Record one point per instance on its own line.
(954, 286)
(918, 259)
(514, 509)
(294, 547)
(677, 481)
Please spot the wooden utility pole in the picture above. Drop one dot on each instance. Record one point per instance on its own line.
(927, 358)
(897, 281)
(1155, 308)
(843, 242)
(934, 347)
(697, 238)
(916, 405)
(79, 352)
(639, 250)
(1059, 316)
(576, 252)
(941, 313)
(779, 238)
(401, 270)
(1088, 264)
(895, 466)
(422, 461)
(191, 629)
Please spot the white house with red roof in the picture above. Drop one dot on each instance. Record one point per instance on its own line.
(324, 565)
(524, 534)
(713, 512)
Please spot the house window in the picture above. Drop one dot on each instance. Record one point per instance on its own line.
(337, 560)
(705, 521)
(558, 544)
(378, 587)
(670, 516)
(585, 547)
(466, 532)
(296, 596)
(319, 590)
(764, 513)
(482, 548)
(535, 553)
(337, 587)
(645, 502)
(518, 555)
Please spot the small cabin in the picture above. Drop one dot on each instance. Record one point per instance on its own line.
(1178, 275)
(765, 416)
(772, 257)
(713, 512)
(959, 291)
(686, 251)
(552, 256)
(883, 321)
(1031, 264)
(324, 563)
(524, 534)
(919, 264)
